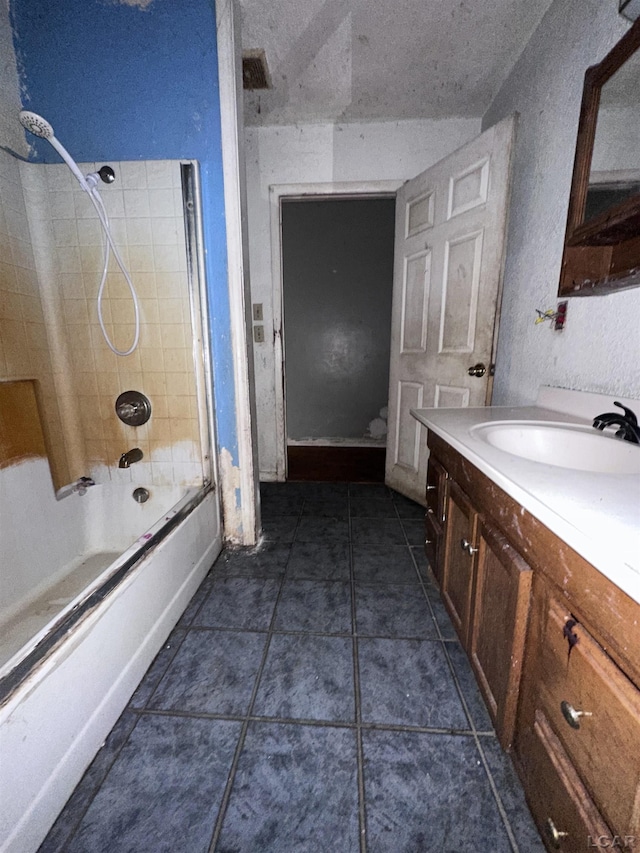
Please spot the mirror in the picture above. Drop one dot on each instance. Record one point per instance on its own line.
(602, 240)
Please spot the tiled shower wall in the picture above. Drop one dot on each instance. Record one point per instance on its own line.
(145, 209)
(24, 344)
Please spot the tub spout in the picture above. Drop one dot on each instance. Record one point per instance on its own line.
(127, 459)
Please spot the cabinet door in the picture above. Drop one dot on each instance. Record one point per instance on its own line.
(459, 560)
(436, 493)
(498, 627)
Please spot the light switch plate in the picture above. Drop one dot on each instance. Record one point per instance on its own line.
(257, 312)
(258, 334)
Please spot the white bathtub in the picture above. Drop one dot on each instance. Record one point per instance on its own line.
(95, 623)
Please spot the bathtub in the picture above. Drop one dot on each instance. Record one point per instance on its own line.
(91, 586)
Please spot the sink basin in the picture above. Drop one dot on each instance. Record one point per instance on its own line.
(580, 448)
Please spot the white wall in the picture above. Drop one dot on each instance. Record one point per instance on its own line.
(600, 347)
(324, 153)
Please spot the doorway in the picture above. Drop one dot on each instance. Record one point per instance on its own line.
(337, 275)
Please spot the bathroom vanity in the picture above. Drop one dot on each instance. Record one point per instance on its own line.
(539, 568)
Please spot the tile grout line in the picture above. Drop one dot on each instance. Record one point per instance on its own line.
(313, 723)
(224, 803)
(362, 814)
(496, 795)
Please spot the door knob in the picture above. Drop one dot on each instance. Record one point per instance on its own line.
(477, 370)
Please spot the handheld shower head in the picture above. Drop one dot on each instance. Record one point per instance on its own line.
(36, 124)
(40, 127)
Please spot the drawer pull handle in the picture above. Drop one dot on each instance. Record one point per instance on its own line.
(572, 715)
(428, 541)
(466, 546)
(431, 488)
(554, 834)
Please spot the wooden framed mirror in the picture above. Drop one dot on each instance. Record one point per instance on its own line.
(602, 240)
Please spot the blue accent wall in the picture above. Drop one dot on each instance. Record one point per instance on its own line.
(122, 82)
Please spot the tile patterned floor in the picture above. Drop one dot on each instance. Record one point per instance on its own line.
(313, 697)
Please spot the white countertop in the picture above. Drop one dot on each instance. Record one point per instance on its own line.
(598, 515)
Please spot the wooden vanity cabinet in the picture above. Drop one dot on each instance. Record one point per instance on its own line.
(485, 585)
(555, 647)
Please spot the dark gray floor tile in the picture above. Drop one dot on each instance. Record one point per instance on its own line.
(414, 531)
(273, 505)
(441, 616)
(307, 678)
(269, 560)
(214, 672)
(239, 603)
(281, 528)
(79, 801)
(320, 606)
(336, 507)
(377, 531)
(322, 491)
(370, 490)
(408, 682)
(313, 529)
(156, 671)
(372, 508)
(428, 792)
(383, 564)
(393, 610)
(407, 508)
(295, 790)
(512, 796)
(276, 489)
(423, 565)
(319, 561)
(196, 601)
(164, 788)
(469, 687)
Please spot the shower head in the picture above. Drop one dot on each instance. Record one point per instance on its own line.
(40, 127)
(36, 124)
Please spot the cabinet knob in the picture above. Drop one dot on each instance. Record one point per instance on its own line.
(466, 546)
(430, 511)
(431, 488)
(428, 541)
(554, 835)
(572, 715)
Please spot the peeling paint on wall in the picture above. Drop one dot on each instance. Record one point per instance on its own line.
(230, 497)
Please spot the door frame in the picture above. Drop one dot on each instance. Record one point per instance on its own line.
(297, 192)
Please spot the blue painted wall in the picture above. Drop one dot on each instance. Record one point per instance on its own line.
(121, 82)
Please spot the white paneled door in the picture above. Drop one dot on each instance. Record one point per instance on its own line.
(449, 245)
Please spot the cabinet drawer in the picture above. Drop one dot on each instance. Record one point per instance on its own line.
(566, 816)
(604, 743)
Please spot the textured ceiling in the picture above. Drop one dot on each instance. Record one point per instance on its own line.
(368, 60)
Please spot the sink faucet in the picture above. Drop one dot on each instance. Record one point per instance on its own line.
(627, 423)
(127, 459)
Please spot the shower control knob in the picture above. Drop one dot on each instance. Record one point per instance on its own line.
(133, 408)
(107, 174)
